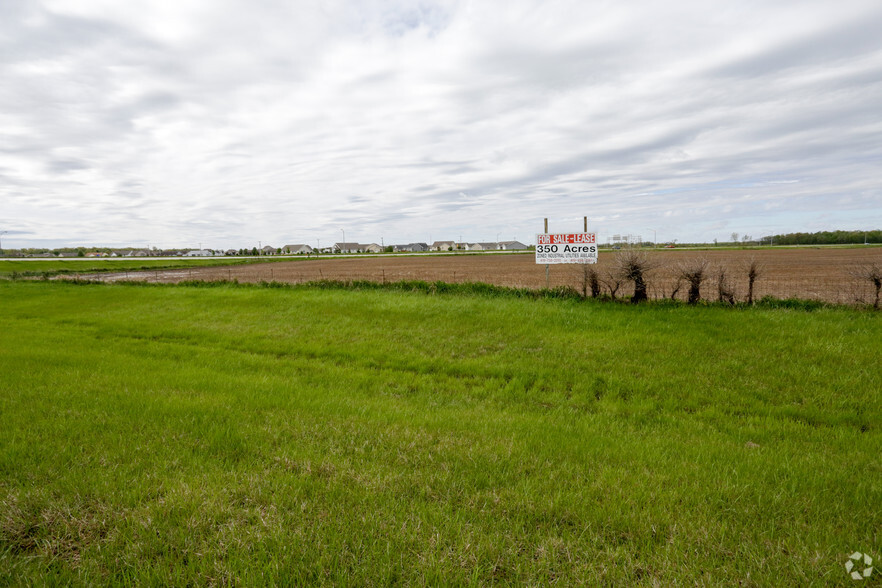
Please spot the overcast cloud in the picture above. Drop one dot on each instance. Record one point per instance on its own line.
(225, 123)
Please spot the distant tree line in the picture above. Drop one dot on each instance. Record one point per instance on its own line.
(827, 238)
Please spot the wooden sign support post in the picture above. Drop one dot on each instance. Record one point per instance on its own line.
(546, 265)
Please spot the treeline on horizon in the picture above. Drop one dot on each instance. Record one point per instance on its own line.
(828, 238)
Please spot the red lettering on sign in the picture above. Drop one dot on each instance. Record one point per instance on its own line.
(565, 238)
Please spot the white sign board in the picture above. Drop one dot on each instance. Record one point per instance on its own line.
(566, 248)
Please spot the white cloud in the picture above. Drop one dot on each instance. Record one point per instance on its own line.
(232, 122)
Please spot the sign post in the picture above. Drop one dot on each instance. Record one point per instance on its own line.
(546, 265)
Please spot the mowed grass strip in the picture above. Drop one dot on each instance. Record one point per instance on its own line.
(247, 435)
(75, 265)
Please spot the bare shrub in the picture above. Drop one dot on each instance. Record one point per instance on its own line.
(693, 272)
(725, 291)
(613, 282)
(590, 281)
(594, 283)
(870, 272)
(754, 270)
(676, 288)
(632, 265)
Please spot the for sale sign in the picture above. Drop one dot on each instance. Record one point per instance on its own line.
(566, 248)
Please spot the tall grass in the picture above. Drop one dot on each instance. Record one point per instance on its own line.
(174, 435)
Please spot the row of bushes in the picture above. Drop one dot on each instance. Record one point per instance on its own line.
(632, 266)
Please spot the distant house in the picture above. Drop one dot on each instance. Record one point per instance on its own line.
(139, 253)
(411, 247)
(268, 250)
(512, 245)
(443, 246)
(372, 248)
(483, 246)
(231, 252)
(347, 248)
(299, 249)
(199, 253)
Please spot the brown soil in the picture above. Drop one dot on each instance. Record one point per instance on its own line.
(823, 273)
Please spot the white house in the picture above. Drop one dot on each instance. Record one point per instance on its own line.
(199, 253)
(483, 246)
(411, 247)
(443, 246)
(299, 249)
(511, 245)
(347, 248)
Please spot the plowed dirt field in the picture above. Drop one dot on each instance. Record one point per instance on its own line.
(824, 273)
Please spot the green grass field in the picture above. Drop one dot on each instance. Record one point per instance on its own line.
(173, 435)
(36, 267)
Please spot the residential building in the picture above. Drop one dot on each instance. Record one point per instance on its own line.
(483, 246)
(347, 248)
(298, 249)
(443, 246)
(411, 247)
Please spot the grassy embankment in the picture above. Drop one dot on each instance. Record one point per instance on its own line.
(171, 435)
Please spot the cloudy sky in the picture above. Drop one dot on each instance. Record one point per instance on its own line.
(225, 122)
